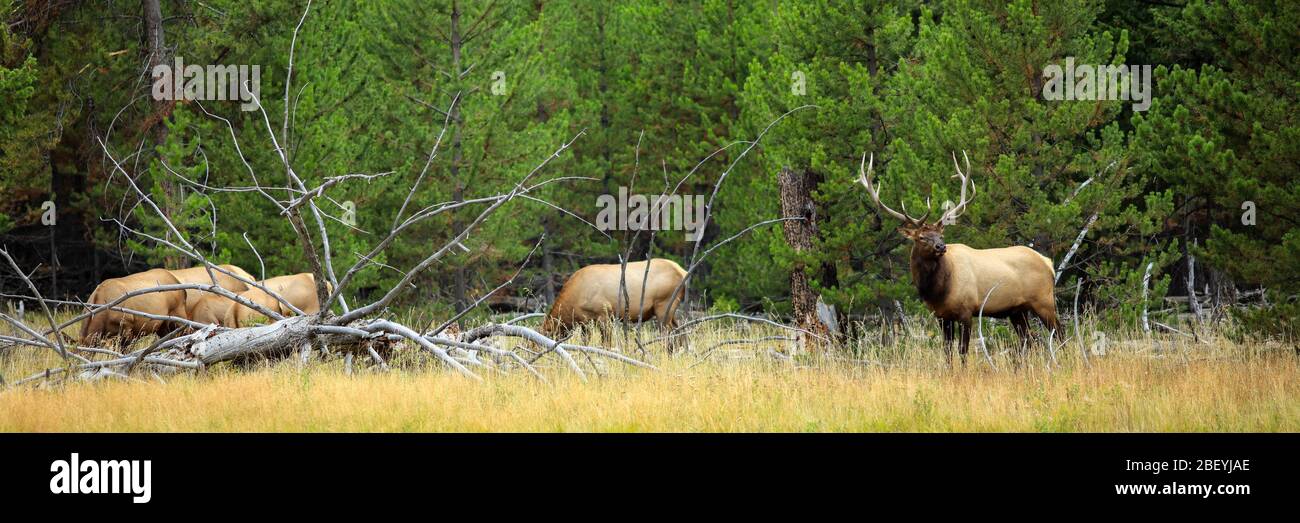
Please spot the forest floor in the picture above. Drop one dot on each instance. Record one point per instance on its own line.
(1138, 383)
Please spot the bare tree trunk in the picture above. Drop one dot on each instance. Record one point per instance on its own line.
(1192, 303)
(155, 40)
(156, 46)
(796, 201)
(54, 250)
(1146, 285)
(457, 155)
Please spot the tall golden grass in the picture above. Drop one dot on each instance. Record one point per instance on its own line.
(1141, 383)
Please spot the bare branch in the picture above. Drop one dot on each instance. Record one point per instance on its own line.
(49, 316)
(406, 332)
(485, 296)
(464, 233)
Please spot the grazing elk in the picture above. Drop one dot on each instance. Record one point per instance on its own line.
(128, 326)
(225, 312)
(298, 289)
(958, 282)
(200, 274)
(593, 292)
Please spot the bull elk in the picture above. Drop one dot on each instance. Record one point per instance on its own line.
(957, 282)
(593, 292)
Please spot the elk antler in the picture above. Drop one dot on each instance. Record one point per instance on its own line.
(864, 177)
(951, 215)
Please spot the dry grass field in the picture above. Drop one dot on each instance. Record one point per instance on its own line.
(1138, 384)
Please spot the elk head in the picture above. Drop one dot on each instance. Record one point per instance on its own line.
(927, 237)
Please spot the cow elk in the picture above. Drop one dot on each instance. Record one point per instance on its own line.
(200, 274)
(224, 312)
(593, 292)
(297, 289)
(958, 282)
(113, 323)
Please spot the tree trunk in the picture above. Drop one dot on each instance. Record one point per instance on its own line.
(1189, 246)
(796, 201)
(155, 42)
(457, 155)
(1193, 302)
(157, 49)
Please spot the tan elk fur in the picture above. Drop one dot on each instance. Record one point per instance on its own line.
(593, 293)
(200, 274)
(298, 289)
(111, 323)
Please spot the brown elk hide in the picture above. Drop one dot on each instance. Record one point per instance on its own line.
(199, 274)
(212, 309)
(220, 310)
(240, 315)
(298, 289)
(108, 323)
(1022, 276)
(593, 292)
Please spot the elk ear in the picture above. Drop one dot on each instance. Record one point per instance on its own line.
(908, 232)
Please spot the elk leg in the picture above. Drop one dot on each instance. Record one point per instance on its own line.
(1047, 313)
(948, 336)
(561, 331)
(965, 339)
(603, 325)
(1020, 320)
(667, 317)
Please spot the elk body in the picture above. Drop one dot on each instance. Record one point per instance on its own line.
(200, 275)
(298, 289)
(109, 323)
(958, 283)
(593, 292)
(221, 311)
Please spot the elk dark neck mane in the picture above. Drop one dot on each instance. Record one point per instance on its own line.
(931, 275)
